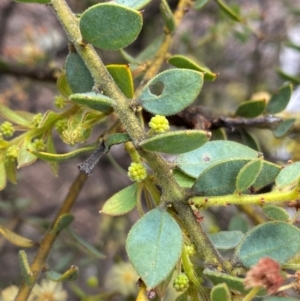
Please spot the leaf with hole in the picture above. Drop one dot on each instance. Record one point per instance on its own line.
(288, 176)
(251, 108)
(171, 91)
(220, 292)
(275, 213)
(93, 100)
(154, 246)
(181, 61)
(78, 75)
(269, 240)
(195, 162)
(226, 240)
(176, 142)
(284, 127)
(280, 99)
(122, 202)
(123, 78)
(248, 175)
(110, 26)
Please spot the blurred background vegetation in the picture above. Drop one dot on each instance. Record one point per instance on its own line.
(33, 49)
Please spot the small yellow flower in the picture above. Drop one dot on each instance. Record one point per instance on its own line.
(49, 291)
(137, 172)
(122, 278)
(38, 144)
(159, 124)
(7, 129)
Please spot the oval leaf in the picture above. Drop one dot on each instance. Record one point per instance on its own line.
(121, 202)
(288, 176)
(226, 240)
(294, 79)
(277, 240)
(284, 127)
(194, 162)
(176, 142)
(110, 26)
(179, 87)
(229, 12)
(78, 75)
(123, 78)
(154, 246)
(181, 61)
(16, 239)
(280, 100)
(167, 15)
(248, 175)
(93, 100)
(276, 213)
(251, 108)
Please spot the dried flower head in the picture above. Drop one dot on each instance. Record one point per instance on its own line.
(266, 273)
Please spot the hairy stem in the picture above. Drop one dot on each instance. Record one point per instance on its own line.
(46, 244)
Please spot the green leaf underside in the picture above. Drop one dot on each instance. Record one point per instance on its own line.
(181, 61)
(116, 138)
(50, 157)
(195, 162)
(234, 283)
(280, 100)
(135, 4)
(226, 240)
(96, 25)
(167, 15)
(284, 127)
(26, 158)
(123, 78)
(182, 179)
(63, 86)
(86, 245)
(288, 176)
(93, 100)
(200, 3)
(251, 108)
(249, 140)
(294, 79)
(238, 223)
(180, 88)
(248, 175)
(276, 213)
(13, 116)
(277, 240)
(69, 275)
(2, 173)
(154, 246)
(122, 202)
(78, 75)
(220, 178)
(220, 292)
(176, 142)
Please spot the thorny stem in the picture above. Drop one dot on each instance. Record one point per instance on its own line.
(47, 242)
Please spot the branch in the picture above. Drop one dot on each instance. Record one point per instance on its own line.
(46, 244)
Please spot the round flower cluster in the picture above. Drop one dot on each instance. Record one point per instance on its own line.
(181, 283)
(12, 153)
(137, 172)
(59, 102)
(159, 124)
(7, 129)
(38, 144)
(61, 125)
(191, 249)
(37, 119)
